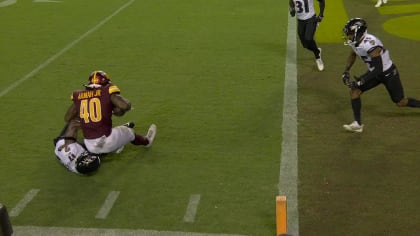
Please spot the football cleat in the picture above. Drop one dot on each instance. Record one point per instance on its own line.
(150, 136)
(129, 124)
(319, 62)
(354, 127)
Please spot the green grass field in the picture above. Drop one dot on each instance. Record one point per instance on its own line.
(210, 74)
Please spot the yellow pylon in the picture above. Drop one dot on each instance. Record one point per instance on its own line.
(281, 215)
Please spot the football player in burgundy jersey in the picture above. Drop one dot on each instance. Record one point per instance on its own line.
(94, 107)
(307, 24)
(381, 70)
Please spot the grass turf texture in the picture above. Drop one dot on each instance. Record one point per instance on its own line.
(207, 73)
(358, 184)
(210, 75)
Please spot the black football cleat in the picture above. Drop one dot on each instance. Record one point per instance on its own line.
(129, 124)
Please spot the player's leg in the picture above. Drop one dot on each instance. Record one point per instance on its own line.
(119, 137)
(356, 106)
(396, 92)
(311, 26)
(311, 44)
(301, 30)
(122, 135)
(147, 140)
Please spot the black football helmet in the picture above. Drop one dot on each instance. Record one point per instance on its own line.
(97, 79)
(87, 163)
(354, 31)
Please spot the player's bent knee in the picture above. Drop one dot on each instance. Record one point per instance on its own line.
(355, 93)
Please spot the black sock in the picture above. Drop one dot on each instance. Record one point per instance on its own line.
(413, 102)
(356, 105)
(317, 53)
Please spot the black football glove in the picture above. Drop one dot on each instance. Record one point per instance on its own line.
(357, 82)
(360, 80)
(292, 12)
(319, 18)
(353, 84)
(346, 78)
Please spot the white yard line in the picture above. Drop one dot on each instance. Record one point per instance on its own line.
(62, 51)
(192, 208)
(47, 1)
(288, 179)
(61, 231)
(107, 206)
(22, 203)
(7, 3)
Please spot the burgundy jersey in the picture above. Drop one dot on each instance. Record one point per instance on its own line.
(94, 107)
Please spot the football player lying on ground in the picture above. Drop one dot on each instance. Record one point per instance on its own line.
(72, 154)
(381, 70)
(94, 107)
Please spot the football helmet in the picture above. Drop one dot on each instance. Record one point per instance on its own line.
(87, 163)
(97, 79)
(354, 31)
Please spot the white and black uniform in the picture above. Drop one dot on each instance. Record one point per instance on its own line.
(69, 158)
(119, 137)
(304, 9)
(388, 76)
(307, 23)
(367, 45)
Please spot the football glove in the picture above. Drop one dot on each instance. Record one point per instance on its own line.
(356, 83)
(353, 84)
(319, 18)
(360, 80)
(346, 78)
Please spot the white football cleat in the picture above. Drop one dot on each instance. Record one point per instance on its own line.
(354, 127)
(151, 133)
(379, 3)
(384, 1)
(319, 62)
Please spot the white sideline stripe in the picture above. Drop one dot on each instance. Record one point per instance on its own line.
(288, 179)
(7, 3)
(107, 206)
(61, 231)
(192, 208)
(62, 51)
(22, 203)
(45, 1)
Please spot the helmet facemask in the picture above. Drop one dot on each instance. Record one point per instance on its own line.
(87, 163)
(354, 31)
(98, 79)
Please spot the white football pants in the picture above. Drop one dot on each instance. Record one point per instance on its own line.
(120, 136)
